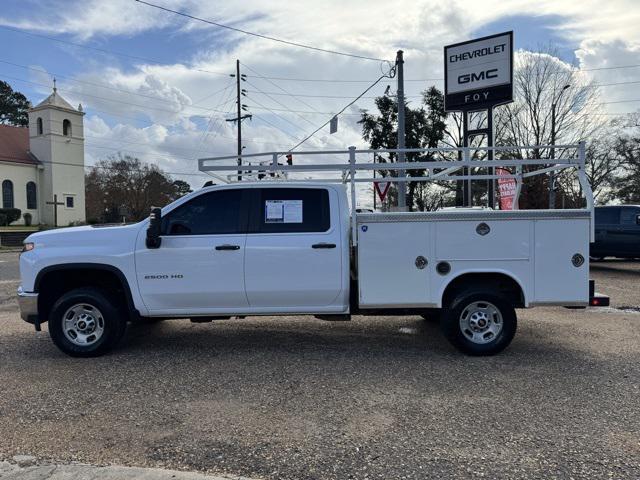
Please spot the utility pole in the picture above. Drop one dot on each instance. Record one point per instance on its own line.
(239, 117)
(402, 186)
(552, 174)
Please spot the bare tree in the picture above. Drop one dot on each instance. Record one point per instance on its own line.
(123, 186)
(554, 103)
(627, 181)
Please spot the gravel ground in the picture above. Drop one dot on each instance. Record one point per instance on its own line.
(9, 279)
(299, 398)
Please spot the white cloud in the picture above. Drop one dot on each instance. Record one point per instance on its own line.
(595, 54)
(87, 18)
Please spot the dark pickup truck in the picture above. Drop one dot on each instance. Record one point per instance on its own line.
(617, 232)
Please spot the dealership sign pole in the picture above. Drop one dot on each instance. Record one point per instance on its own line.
(478, 75)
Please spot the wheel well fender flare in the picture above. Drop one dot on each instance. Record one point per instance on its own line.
(124, 283)
(478, 271)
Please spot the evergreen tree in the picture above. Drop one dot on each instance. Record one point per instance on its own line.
(13, 106)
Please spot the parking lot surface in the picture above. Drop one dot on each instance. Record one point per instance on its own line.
(299, 398)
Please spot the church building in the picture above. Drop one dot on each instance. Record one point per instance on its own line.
(42, 166)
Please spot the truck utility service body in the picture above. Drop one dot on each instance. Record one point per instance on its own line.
(287, 247)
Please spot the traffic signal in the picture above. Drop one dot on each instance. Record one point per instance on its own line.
(289, 158)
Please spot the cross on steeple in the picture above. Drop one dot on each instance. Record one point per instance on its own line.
(54, 85)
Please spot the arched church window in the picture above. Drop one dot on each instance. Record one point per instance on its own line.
(32, 196)
(39, 126)
(66, 128)
(7, 194)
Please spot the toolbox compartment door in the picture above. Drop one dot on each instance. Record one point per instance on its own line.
(388, 275)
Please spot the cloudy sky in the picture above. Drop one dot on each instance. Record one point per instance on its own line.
(156, 85)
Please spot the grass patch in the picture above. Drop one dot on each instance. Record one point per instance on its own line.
(19, 228)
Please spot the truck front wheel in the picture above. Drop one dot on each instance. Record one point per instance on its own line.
(86, 322)
(479, 323)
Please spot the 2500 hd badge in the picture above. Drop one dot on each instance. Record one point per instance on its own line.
(163, 277)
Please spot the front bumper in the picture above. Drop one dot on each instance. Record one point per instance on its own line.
(28, 302)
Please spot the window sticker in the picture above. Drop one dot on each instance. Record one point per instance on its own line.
(274, 212)
(283, 211)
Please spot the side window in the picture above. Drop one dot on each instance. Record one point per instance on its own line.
(290, 210)
(628, 216)
(607, 216)
(7, 194)
(211, 213)
(32, 196)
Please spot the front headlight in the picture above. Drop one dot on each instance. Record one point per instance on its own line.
(28, 246)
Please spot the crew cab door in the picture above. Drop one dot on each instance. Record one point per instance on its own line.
(199, 267)
(294, 250)
(607, 241)
(628, 236)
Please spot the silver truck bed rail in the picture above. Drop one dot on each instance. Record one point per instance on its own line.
(268, 166)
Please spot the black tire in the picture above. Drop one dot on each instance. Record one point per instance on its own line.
(450, 323)
(113, 321)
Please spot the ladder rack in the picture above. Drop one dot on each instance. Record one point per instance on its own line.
(268, 166)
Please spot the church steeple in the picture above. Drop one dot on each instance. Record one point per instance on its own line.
(55, 100)
(56, 139)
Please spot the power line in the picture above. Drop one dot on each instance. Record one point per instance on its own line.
(420, 96)
(384, 75)
(259, 35)
(278, 102)
(278, 78)
(276, 127)
(109, 87)
(337, 80)
(433, 79)
(326, 96)
(277, 115)
(616, 83)
(181, 148)
(142, 107)
(217, 123)
(229, 85)
(103, 50)
(114, 149)
(315, 112)
(279, 87)
(125, 169)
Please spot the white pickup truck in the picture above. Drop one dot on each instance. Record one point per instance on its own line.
(294, 248)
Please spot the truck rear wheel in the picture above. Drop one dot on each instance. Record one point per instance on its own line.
(479, 323)
(86, 322)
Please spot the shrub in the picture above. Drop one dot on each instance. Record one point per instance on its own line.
(10, 215)
(27, 219)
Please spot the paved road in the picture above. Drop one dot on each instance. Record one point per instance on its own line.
(290, 398)
(13, 471)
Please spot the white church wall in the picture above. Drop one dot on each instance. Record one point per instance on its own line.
(68, 179)
(20, 175)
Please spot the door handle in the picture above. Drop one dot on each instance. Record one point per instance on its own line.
(227, 247)
(323, 245)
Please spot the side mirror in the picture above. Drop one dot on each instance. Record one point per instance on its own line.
(153, 231)
(637, 219)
